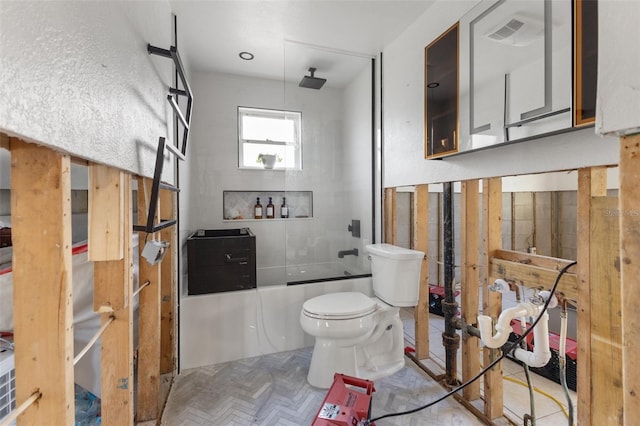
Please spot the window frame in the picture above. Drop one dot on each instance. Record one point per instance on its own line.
(294, 116)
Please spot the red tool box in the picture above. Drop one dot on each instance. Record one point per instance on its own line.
(344, 405)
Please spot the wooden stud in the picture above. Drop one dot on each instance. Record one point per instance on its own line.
(148, 323)
(420, 237)
(592, 182)
(629, 214)
(606, 328)
(390, 219)
(42, 282)
(105, 213)
(106, 237)
(117, 340)
(491, 301)
(168, 289)
(469, 238)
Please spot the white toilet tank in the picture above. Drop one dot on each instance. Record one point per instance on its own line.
(395, 272)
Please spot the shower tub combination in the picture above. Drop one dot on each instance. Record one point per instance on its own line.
(224, 318)
(223, 327)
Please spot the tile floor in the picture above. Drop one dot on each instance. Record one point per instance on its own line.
(272, 390)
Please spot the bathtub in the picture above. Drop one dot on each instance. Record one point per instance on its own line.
(307, 273)
(223, 327)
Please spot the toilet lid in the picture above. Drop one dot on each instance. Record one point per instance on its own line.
(344, 305)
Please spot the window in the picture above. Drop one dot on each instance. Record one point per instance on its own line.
(265, 132)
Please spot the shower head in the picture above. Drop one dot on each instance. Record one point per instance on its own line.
(311, 82)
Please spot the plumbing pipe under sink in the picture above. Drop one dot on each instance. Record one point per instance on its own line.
(541, 353)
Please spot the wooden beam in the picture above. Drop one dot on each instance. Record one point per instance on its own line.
(592, 182)
(491, 301)
(168, 288)
(117, 341)
(148, 323)
(390, 219)
(42, 282)
(420, 239)
(469, 279)
(105, 213)
(606, 327)
(629, 214)
(533, 271)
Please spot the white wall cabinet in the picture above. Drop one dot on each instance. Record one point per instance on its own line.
(515, 61)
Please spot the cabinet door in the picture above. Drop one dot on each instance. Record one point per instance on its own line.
(519, 59)
(585, 61)
(441, 95)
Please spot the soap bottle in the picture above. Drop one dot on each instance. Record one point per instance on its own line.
(284, 210)
(270, 209)
(257, 209)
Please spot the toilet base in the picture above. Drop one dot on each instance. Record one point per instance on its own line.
(380, 358)
(327, 359)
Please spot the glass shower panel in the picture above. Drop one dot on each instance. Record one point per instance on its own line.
(336, 165)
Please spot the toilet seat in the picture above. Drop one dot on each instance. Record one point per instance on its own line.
(339, 306)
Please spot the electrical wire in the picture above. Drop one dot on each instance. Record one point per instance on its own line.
(513, 345)
(541, 392)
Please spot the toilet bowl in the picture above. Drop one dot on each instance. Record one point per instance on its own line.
(358, 335)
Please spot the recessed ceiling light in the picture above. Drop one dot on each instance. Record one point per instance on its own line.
(247, 56)
(433, 85)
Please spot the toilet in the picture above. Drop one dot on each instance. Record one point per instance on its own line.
(358, 335)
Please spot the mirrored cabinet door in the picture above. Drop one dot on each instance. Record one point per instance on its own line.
(519, 59)
(586, 61)
(441, 95)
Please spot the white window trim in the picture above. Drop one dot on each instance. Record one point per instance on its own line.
(270, 113)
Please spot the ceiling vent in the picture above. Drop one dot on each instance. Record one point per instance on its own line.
(519, 30)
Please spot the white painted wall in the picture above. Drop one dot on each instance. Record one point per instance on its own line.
(618, 102)
(76, 76)
(404, 162)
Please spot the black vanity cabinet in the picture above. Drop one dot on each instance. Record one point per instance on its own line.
(441, 95)
(221, 260)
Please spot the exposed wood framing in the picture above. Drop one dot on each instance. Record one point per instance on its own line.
(606, 327)
(491, 301)
(105, 213)
(469, 276)
(168, 354)
(629, 214)
(42, 282)
(533, 271)
(592, 182)
(42, 278)
(420, 237)
(113, 279)
(148, 321)
(390, 219)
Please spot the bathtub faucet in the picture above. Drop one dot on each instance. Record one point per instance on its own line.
(343, 253)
